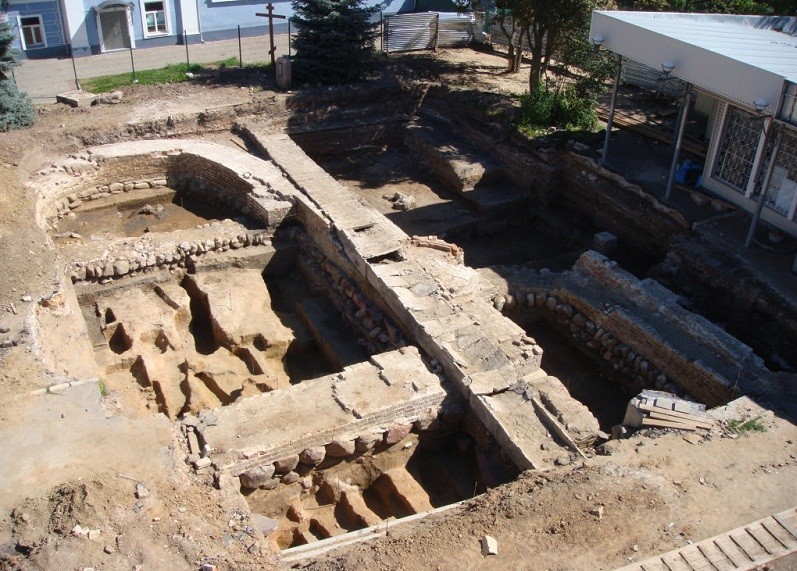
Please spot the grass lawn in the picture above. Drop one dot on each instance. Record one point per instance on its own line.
(174, 73)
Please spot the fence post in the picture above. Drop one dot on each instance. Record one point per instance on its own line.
(187, 57)
(240, 51)
(386, 35)
(381, 31)
(133, 65)
(74, 69)
(289, 38)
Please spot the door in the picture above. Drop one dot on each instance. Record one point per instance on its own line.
(114, 29)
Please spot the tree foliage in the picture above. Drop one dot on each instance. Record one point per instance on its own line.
(15, 108)
(335, 40)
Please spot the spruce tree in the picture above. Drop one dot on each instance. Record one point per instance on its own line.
(334, 42)
(16, 109)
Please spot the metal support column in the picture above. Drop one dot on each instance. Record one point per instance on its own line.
(762, 197)
(683, 116)
(610, 119)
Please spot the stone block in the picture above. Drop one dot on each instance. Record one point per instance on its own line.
(312, 456)
(605, 243)
(256, 477)
(286, 464)
(340, 448)
(397, 432)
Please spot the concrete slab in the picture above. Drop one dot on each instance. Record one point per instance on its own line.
(76, 98)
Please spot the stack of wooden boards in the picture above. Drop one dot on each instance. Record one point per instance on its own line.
(664, 410)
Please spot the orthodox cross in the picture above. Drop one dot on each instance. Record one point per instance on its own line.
(271, 16)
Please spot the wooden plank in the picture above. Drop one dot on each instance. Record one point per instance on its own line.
(675, 562)
(747, 544)
(667, 424)
(656, 565)
(781, 535)
(695, 558)
(785, 524)
(716, 556)
(732, 551)
(762, 536)
(665, 416)
(675, 413)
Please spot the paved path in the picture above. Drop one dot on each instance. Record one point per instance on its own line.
(43, 79)
(744, 548)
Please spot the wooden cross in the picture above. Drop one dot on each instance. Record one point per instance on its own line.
(271, 16)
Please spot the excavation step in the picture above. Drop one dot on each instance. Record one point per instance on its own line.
(330, 333)
(462, 167)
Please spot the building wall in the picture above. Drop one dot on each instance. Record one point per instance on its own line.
(51, 23)
(744, 200)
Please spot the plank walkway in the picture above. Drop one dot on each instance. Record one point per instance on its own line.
(741, 549)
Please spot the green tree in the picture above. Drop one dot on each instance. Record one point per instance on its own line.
(15, 108)
(335, 40)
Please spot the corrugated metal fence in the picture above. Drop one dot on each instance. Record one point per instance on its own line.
(641, 75)
(427, 31)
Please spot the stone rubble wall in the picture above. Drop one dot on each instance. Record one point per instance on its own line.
(638, 328)
(146, 255)
(377, 331)
(609, 202)
(478, 128)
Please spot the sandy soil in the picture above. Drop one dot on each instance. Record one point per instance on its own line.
(74, 458)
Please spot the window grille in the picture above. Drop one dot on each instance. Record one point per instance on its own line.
(738, 147)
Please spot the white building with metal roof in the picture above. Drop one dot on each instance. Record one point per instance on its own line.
(747, 65)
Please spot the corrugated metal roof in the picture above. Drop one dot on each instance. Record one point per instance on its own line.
(734, 56)
(743, 38)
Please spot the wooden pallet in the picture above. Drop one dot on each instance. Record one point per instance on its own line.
(742, 549)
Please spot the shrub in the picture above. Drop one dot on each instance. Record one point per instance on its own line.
(562, 108)
(16, 109)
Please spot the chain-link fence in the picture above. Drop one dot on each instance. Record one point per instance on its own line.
(43, 79)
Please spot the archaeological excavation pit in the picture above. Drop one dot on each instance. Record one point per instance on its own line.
(342, 362)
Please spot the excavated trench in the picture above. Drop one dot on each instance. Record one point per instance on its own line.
(489, 221)
(164, 346)
(588, 379)
(422, 472)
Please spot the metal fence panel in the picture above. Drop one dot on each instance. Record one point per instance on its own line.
(641, 75)
(455, 30)
(409, 32)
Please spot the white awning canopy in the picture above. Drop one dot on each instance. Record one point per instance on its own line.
(740, 58)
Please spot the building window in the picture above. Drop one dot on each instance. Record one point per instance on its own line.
(32, 32)
(155, 18)
(738, 148)
(782, 193)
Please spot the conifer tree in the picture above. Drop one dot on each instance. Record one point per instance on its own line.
(16, 109)
(334, 42)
